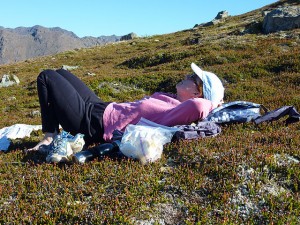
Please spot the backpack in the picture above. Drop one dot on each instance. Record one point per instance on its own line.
(242, 111)
(236, 112)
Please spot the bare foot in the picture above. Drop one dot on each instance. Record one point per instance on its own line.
(48, 138)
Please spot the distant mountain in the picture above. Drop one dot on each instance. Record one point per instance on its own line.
(23, 43)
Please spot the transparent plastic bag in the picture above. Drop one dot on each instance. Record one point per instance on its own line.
(145, 143)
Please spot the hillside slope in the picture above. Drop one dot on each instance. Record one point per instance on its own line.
(248, 174)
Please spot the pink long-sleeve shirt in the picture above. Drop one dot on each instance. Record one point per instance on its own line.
(159, 108)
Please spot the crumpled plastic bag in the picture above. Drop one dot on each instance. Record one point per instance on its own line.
(145, 143)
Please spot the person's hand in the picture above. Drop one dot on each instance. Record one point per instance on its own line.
(216, 105)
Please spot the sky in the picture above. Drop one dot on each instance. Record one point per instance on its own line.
(119, 17)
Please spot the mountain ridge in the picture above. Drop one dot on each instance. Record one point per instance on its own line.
(21, 43)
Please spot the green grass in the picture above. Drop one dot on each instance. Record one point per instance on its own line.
(246, 175)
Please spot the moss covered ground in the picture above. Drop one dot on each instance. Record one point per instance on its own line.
(249, 174)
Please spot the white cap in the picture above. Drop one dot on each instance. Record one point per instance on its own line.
(213, 89)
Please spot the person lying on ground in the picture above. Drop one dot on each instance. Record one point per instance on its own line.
(66, 101)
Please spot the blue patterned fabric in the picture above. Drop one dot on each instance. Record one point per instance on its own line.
(235, 112)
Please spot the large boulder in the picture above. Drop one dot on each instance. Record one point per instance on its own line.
(128, 37)
(284, 18)
(221, 16)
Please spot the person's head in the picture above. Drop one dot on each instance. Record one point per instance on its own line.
(201, 84)
(190, 87)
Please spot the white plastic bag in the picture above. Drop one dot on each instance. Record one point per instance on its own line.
(145, 143)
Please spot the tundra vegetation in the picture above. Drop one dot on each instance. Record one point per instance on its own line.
(249, 174)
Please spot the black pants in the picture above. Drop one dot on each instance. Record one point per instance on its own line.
(65, 100)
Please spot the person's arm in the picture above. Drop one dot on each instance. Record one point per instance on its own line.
(166, 94)
(188, 112)
(167, 97)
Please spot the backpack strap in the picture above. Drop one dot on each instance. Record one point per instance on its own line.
(266, 110)
(276, 114)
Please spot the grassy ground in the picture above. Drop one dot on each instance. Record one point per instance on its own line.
(247, 175)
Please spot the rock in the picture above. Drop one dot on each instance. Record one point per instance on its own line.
(264, 13)
(212, 23)
(222, 15)
(218, 19)
(66, 67)
(35, 113)
(8, 80)
(90, 74)
(128, 37)
(283, 18)
(12, 98)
